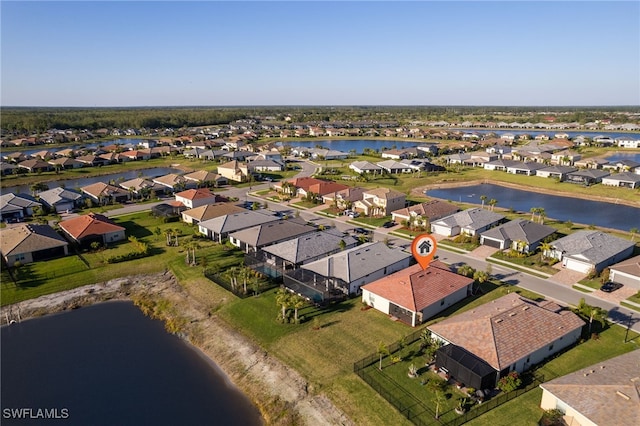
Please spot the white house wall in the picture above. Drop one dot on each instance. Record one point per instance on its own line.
(550, 402)
(625, 279)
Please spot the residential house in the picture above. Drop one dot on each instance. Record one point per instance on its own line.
(586, 251)
(527, 169)
(60, 200)
(92, 227)
(175, 182)
(235, 171)
(624, 179)
(345, 272)
(591, 163)
(500, 165)
(209, 211)
(14, 206)
(469, 222)
(361, 167)
(605, 393)
(521, 235)
(135, 155)
(220, 227)
(344, 198)
(627, 142)
(250, 240)
(65, 163)
(203, 178)
(143, 187)
(192, 198)
(265, 166)
(619, 166)
(380, 202)
(35, 165)
(31, 243)
(508, 334)
(7, 168)
(586, 177)
(555, 172)
(414, 294)
(394, 167)
(92, 161)
(288, 255)
(626, 273)
(104, 193)
(321, 189)
(327, 154)
(565, 157)
(424, 213)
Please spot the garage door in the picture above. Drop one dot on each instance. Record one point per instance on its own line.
(491, 243)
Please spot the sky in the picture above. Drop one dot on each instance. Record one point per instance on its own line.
(215, 53)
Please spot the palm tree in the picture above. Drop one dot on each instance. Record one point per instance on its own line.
(283, 299)
(483, 198)
(480, 276)
(541, 215)
(633, 232)
(534, 211)
(492, 203)
(297, 303)
(466, 270)
(545, 248)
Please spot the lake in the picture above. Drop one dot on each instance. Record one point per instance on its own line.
(346, 145)
(577, 210)
(80, 182)
(552, 133)
(108, 364)
(621, 156)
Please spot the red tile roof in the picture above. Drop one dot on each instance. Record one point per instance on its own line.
(90, 224)
(415, 289)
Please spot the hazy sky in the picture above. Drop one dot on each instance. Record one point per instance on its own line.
(125, 53)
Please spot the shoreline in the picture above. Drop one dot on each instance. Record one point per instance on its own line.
(279, 392)
(421, 190)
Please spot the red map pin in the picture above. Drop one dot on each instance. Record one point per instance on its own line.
(423, 249)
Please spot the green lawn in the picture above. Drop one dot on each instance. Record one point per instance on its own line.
(533, 261)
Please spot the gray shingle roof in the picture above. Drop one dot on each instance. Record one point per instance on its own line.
(471, 219)
(269, 233)
(236, 221)
(357, 262)
(594, 246)
(29, 238)
(301, 249)
(58, 195)
(520, 230)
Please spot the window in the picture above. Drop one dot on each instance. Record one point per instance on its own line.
(551, 347)
(442, 302)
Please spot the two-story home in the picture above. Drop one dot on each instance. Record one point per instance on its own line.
(380, 202)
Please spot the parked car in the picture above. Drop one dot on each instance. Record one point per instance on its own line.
(389, 224)
(361, 231)
(610, 286)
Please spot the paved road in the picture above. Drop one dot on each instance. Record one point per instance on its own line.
(550, 289)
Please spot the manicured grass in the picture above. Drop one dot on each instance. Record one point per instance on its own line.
(372, 221)
(533, 261)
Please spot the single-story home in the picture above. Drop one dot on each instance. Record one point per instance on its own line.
(394, 167)
(65, 163)
(555, 172)
(265, 166)
(626, 273)
(60, 199)
(92, 227)
(250, 240)
(205, 178)
(17, 206)
(470, 222)
(143, 187)
(500, 165)
(423, 213)
(220, 227)
(605, 393)
(521, 235)
(414, 295)
(175, 182)
(35, 165)
(585, 251)
(347, 271)
(624, 179)
(361, 167)
(103, 193)
(31, 243)
(291, 254)
(586, 177)
(527, 169)
(508, 334)
(209, 211)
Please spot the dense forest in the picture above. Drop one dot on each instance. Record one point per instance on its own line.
(39, 119)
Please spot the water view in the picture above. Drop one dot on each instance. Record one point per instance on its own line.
(576, 210)
(80, 182)
(108, 364)
(624, 156)
(552, 133)
(346, 145)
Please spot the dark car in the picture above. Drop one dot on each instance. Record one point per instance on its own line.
(388, 224)
(610, 286)
(361, 231)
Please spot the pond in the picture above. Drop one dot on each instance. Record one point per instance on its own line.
(355, 144)
(576, 210)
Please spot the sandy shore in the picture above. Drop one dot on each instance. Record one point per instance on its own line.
(264, 379)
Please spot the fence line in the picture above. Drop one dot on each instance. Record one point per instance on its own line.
(415, 411)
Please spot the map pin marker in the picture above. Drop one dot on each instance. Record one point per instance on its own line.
(423, 249)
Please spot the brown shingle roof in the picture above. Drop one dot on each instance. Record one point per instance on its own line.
(29, 238)
(195, 194)
(433, 210)
(629, 266)
(507, 329)
(210, 211)
(87, 225)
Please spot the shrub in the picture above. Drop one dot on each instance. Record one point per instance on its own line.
(510, 382)
(126, 257)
